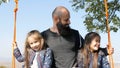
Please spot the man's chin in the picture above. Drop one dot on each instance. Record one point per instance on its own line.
(65, 32)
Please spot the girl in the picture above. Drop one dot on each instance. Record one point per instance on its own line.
(90, 56)
(36, 54)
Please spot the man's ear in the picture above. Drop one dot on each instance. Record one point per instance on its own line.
(56, 18)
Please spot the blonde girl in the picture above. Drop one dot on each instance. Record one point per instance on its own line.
(36, 54)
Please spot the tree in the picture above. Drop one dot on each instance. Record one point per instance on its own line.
(3, 1)
(95, 20)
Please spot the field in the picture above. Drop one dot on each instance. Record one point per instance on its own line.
(8, 65)
(19, 65)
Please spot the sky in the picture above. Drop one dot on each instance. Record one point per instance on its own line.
(37, 15)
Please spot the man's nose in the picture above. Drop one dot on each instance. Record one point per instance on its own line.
(68, 22)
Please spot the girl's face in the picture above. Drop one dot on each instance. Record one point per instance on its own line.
(95, 44)
(34, 42)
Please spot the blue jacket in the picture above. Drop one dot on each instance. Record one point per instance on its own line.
(44, 61)
(102, 61)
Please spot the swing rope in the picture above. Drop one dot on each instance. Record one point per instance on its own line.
(108, 31)
(14, 36)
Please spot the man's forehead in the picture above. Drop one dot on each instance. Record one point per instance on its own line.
(65, 15)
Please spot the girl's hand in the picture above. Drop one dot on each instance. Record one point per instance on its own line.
(14, 45)
(110, 50)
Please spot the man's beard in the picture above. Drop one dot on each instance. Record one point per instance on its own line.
(64, 30)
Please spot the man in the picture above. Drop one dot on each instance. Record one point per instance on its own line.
(64, 41)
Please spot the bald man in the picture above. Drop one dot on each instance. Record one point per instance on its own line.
(63, 40)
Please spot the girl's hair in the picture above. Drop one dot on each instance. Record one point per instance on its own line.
(28, 48)
(86, 50)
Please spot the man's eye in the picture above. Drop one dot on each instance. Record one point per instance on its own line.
(66, 20)
(35, 41)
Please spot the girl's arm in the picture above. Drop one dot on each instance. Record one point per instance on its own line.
(105, 63)
(48, 59)
(17, 53)
(107, 51)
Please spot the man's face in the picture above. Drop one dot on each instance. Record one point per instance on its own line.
(63, 27)
(63, 24)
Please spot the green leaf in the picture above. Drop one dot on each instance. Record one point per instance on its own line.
(96, 18)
